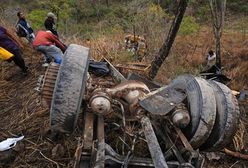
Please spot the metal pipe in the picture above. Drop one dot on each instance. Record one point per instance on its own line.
(127, 85)
(154, 148)
(113, 157)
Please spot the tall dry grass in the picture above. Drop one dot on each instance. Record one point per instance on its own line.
(188, 54)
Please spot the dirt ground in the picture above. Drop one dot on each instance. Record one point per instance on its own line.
(22, 114)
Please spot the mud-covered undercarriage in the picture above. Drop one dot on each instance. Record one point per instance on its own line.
(133, 122)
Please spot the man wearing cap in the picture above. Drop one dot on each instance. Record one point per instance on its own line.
(11, 45)
(23, 29)
(47, 43)
(50, 23)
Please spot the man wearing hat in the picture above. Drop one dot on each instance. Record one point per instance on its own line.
(50, 23)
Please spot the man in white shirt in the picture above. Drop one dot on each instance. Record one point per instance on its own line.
(211, 58)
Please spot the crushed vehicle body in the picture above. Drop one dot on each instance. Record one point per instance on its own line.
(133, 122)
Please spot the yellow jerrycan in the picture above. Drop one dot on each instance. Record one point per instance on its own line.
(4, 54)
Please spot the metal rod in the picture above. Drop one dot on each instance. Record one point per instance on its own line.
(113, 157)
(129, 154)
(154, 148)
(123, 123)
(100, 156)
(168, 141)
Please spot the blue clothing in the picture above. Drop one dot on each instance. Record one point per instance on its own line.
(51, 52)
(6, 42)
(24, 24)
(24, 30)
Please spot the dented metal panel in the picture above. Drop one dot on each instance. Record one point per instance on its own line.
(162, 101)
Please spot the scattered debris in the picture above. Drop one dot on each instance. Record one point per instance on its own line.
(32, 119)
(213, 155)
(122, 118)
(137, 45)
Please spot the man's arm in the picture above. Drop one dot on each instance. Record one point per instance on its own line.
(57, 42)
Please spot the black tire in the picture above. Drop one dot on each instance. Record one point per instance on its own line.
(69, 89)
(201, 106)
(227, 117)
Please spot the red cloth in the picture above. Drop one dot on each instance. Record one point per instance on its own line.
(47, 39)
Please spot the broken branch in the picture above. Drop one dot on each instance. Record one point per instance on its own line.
(236, 154)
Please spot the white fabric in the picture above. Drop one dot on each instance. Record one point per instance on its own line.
(211, 57)
(9, 143)
(211, 60)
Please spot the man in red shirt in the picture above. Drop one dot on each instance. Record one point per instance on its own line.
(49, 45)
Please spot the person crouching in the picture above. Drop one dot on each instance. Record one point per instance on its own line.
(49, 44)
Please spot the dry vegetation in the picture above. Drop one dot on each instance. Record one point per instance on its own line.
(22, 113)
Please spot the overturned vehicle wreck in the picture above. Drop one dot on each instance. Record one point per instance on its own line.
(133, 122)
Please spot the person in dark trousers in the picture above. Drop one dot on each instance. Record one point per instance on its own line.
(11, 45)
(23, 29)
(50, 23)
(47, 43)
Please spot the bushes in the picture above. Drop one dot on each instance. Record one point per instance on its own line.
(188, 26)
(37, 18)
(240, 6)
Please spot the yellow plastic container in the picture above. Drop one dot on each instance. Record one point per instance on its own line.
(4, 54)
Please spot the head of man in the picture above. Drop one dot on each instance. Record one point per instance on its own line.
(211, 52)
(51, 16)
(20, 15)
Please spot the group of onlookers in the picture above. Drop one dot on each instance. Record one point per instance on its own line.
(46, 41)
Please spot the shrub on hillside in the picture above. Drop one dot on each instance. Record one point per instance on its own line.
(238, 5)
(189, 26)
(37, 17)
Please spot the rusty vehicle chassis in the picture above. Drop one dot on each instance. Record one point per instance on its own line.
(97, 153)
(134, 122)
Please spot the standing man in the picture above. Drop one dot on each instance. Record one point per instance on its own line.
(46, 43)
(50, 23)
(11, 45)
(23, 29)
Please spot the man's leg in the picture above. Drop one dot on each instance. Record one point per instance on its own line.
(19, 60)
(44, 51)
(55, 53)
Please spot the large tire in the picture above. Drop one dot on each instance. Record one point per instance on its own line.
(227, 117)
(201, 106)
(69, 89)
